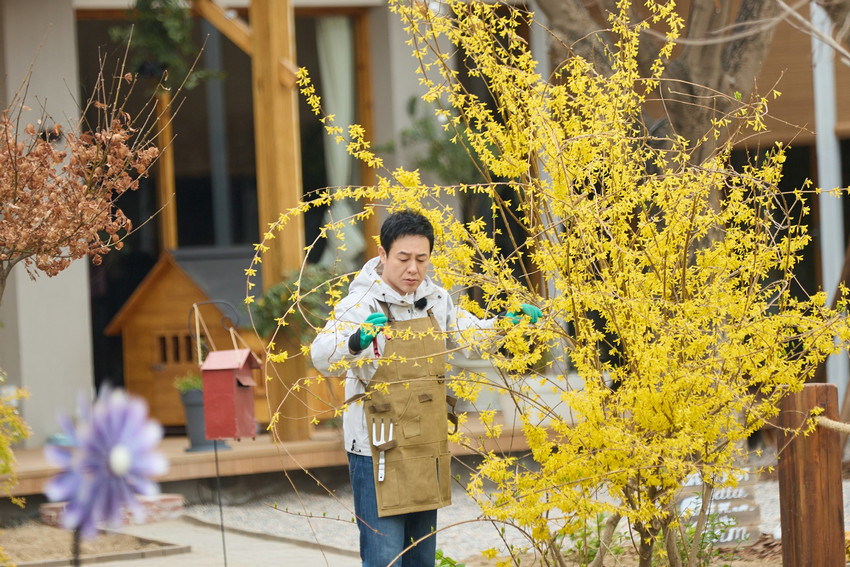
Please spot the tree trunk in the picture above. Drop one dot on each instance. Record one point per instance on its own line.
(702, 519)
(6, 267)
(605, 541)
(575, 32)
(555, 552)
(703, 80)
(647, 541)
(839, 13)
(673, 558)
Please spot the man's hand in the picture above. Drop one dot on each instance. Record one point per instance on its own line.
(533, 313)
(371, 327)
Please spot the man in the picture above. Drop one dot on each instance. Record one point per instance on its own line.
(390, 333)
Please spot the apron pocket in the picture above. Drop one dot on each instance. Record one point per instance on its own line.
(421, 474)
(412, 427)
(388, 488)
(444, 475)
(420, 485)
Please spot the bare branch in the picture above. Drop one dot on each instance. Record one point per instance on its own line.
(575, 32)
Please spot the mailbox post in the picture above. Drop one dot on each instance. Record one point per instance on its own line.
(229, 394)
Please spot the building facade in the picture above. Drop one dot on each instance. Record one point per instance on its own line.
(52, 339)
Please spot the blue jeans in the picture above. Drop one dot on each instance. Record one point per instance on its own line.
(383, 539)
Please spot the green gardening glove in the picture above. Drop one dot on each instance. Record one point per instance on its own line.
(525, 309)
(371, 327)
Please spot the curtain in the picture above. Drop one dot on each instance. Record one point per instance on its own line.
(335, 43)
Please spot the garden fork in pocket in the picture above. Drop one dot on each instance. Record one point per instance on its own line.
(383, 443)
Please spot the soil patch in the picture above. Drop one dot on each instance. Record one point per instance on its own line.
(35, 541)
(766, 552)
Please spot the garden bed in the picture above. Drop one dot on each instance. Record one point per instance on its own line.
(34, 543)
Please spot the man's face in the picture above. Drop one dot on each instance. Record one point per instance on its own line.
(406, 262)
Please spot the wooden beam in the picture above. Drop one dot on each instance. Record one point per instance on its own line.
(84, 14)
(234, 29)
(276, 134)
(166, 186)
(313, 12)
(278, 149)
(287, 73)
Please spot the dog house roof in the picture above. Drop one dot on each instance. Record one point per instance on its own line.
(219, 273)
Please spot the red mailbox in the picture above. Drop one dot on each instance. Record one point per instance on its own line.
(229, 394)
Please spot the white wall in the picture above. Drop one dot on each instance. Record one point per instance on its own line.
(45, 325)
(230, 4)
(394, 79)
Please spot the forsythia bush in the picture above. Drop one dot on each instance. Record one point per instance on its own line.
(12, 430)
(665, 284)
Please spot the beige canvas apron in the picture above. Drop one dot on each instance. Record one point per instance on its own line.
(417, 473)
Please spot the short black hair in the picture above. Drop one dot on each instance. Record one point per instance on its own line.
(405, 223)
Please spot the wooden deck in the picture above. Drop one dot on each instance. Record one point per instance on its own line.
(250, 456)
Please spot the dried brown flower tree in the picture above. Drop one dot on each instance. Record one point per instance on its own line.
(59, 194)
(59, 190)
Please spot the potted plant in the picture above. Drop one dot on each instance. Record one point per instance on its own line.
(191, 388)
(309, 287)
(295, 308)
(162, 46)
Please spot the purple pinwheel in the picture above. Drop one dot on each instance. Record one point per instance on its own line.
(108, 462)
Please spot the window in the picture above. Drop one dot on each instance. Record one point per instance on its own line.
(177, 348)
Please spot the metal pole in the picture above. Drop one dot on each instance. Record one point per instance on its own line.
(219, 171)
(831, 222)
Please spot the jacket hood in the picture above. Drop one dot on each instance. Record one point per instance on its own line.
(369, 283)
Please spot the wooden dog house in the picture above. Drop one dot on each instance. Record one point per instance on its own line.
(156, 329)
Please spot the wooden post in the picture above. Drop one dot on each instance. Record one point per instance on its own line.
(365, 117)
(811, 503)
(166, 189)
(277, 142)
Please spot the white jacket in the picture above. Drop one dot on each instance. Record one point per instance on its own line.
(330, 347)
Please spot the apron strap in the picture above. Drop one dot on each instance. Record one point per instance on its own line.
(452, 401)
(434, 320)
(387, 446)
(453, 419)
(380, 408)
(355, 398)
(386, 309)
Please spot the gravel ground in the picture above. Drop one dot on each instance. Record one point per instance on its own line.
(329, 519)
(311, 514)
